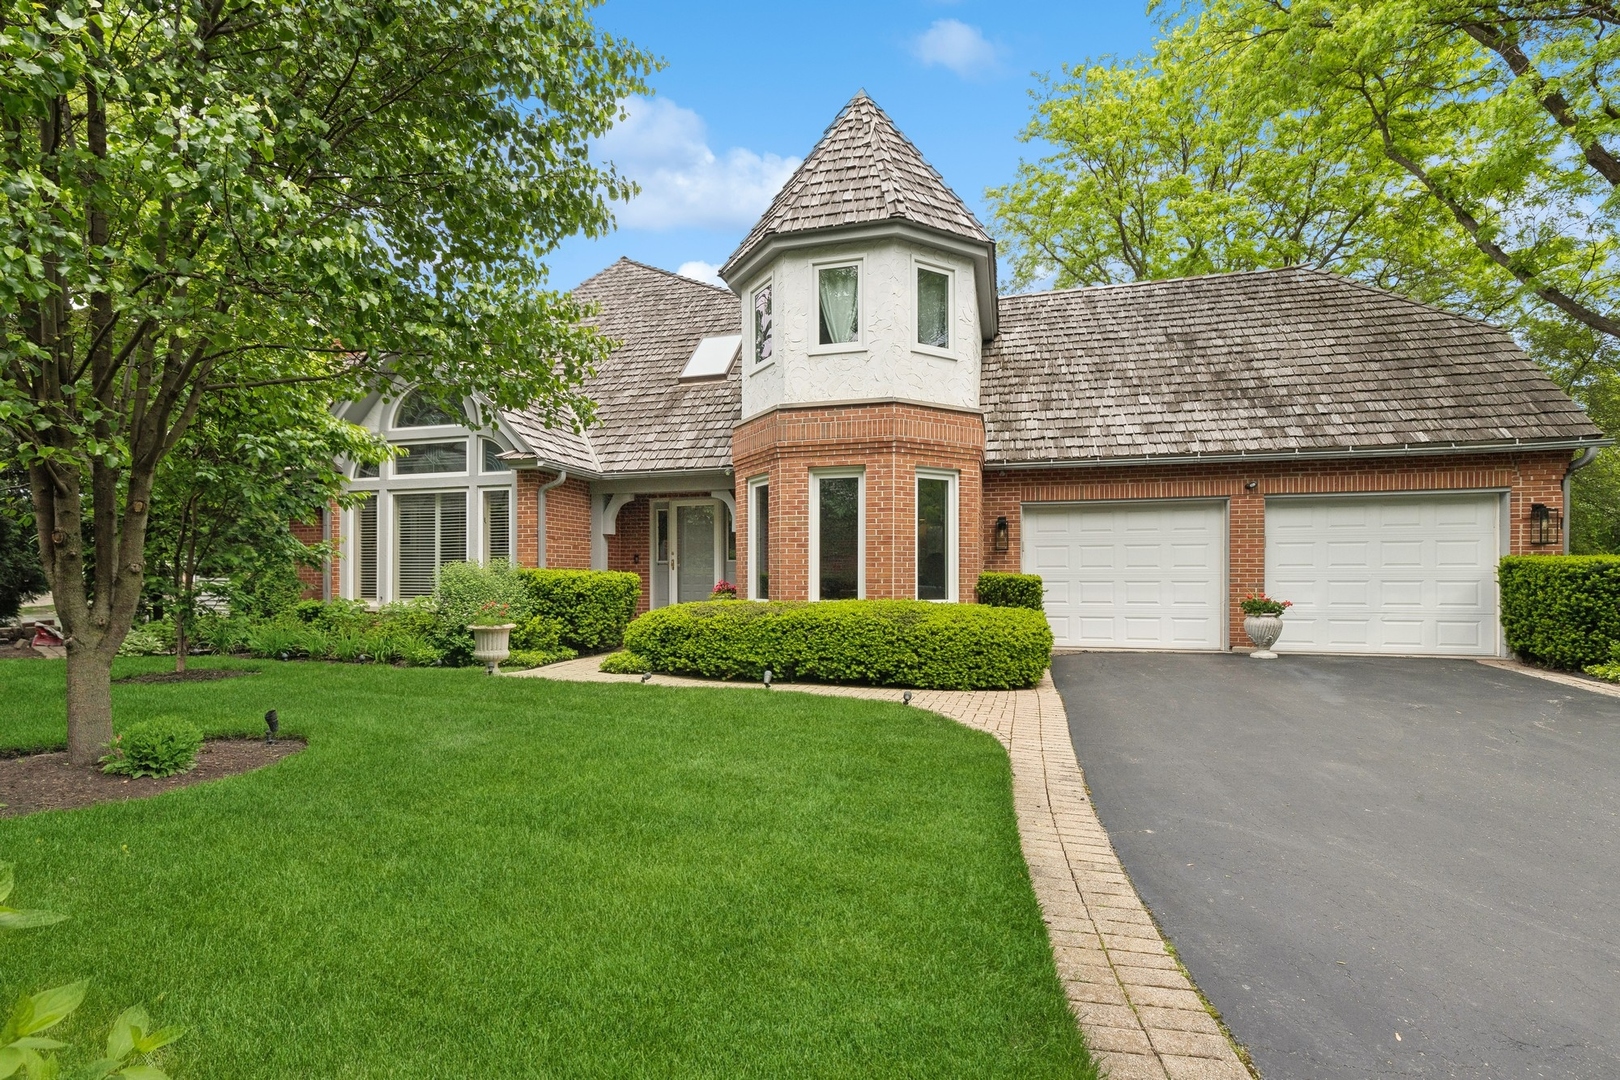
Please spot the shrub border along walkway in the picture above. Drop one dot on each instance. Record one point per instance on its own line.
(1141, 1016)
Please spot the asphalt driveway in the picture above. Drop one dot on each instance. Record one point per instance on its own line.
(1372, 867)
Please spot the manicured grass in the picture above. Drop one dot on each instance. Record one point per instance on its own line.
(469, 877)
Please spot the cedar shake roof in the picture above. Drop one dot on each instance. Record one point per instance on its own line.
(862, 171)
(648, 419)
(1268, 362)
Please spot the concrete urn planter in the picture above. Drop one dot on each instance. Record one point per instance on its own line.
(492, 644)
(1263, 630)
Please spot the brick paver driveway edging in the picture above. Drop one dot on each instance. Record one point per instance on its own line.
(1138, 1011)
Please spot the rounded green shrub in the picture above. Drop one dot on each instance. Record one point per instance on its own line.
(624, 662)
(1011, 590)
(591, 607)
(1561, 610)
(866, 642)
(161, 746)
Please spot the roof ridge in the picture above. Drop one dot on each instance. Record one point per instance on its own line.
(1391, 294)
(655, 269)
(1111, 285)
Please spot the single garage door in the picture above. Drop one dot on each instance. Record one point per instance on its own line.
(1412, 574)
(1138, 575)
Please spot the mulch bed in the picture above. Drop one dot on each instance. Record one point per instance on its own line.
(47, 782)
(195, 675)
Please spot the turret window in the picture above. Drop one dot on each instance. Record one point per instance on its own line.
(763, 336)
(840, 296)
(933, 308)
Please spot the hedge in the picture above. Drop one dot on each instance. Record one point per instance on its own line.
(1561, 610)
(592, 606)
(868, 642)
(1011, 590)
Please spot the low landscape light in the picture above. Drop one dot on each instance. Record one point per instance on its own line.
(767, 678)
(905, 699)
(272, 724)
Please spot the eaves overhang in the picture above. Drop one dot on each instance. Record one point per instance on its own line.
(1498, 446)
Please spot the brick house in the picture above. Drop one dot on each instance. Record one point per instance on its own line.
(861, 415)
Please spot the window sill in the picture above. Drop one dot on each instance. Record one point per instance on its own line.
(930, 350)
(767, 365)
(844, 348)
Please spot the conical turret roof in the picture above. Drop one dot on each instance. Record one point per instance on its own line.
(863, 170)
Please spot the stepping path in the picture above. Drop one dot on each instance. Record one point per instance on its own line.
(1141, 1016)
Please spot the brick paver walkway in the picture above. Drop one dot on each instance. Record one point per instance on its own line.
(1139, 1012)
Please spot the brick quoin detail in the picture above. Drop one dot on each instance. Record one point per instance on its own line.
(891, 442)
(1529, 477)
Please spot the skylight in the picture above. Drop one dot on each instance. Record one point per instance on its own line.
(713, 357)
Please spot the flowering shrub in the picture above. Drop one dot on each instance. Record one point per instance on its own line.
(1261, 604)
(161, 746)
(492, 613)
(723, 590)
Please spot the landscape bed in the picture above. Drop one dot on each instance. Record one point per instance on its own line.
(466, 876)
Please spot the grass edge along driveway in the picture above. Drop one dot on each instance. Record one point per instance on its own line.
(465, 876)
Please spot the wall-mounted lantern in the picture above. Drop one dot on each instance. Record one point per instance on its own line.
(1546, 527)
(1003, 537)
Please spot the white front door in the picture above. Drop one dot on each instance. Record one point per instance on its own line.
(1133, 575)
(696, 559)
(1385, 574)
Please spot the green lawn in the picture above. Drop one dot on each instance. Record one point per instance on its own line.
(473, 877)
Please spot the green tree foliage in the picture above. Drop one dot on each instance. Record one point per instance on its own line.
(20, 575)
(201, 198)
(225, 498)
(1461, 153)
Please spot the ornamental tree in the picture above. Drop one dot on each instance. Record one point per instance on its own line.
(199, 198)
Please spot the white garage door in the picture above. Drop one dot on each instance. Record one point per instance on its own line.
(1140, 575)
(1413, 574)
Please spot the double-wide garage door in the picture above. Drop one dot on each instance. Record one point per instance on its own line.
(1385, 574)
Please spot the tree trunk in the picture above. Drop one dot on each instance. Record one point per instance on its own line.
(180, 645)
(89, 702)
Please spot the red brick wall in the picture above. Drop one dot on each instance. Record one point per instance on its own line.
(568, 523)
(1530, 477)
(311, 533)
(890, 441)
(628, 547)
(528, 517)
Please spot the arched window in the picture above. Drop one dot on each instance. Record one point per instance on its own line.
(418, 410)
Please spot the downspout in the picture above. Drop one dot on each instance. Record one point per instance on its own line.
(326, 563)
(540, 508)
(1588, 456)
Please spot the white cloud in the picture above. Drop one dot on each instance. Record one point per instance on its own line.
(953, 44)
(684, 183)
(698, 270)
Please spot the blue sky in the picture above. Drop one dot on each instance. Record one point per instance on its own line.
(748, 88)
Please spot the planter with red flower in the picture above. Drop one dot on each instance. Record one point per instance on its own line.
(723, 590)
(1262, 621)
(492, 634)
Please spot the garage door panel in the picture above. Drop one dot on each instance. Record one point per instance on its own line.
(1049, 557)
(1148, 575)
(1402, 574)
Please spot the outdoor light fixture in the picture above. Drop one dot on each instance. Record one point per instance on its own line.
(273, 724)
(1546, 527)
(1003, 535)
(1251, 485)
(905, 699)
(767, 678)
(646, 675)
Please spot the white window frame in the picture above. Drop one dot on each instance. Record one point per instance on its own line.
(511, 522)
(768, 282)
(949, 351)
(953, 518)
(754, 484)
(475, 540)
(816, 477)
(468, 449)
(814, 336)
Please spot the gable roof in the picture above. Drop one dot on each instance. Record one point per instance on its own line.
(648, 419)
(1264, 363)
(861, 171)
